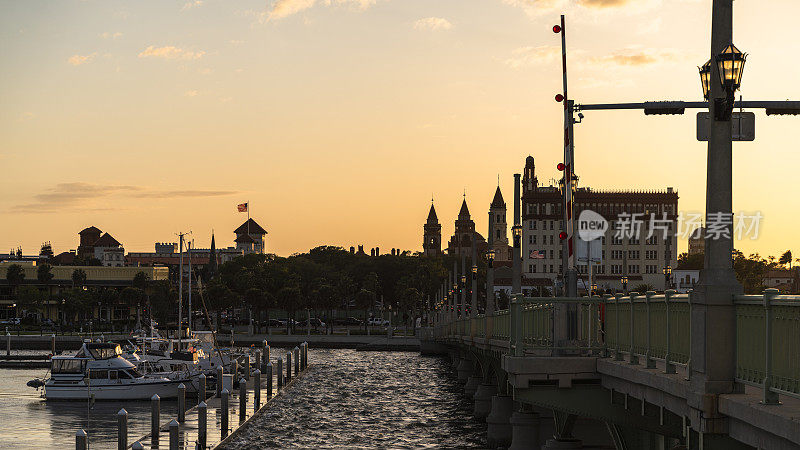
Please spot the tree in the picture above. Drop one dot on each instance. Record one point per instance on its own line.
(44, 273)
(786, 258)
(288, 299)
(691, 262)
(364, 300)
(133, 296)
(78, 278)
(409, 302)
(15, 275)
(29, 298)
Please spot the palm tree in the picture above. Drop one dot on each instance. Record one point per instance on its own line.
(786, 258)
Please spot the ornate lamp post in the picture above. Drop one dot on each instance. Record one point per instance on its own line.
(705, 78)
(667, 275)
(730, 65)
(463, 305)
(624, 280)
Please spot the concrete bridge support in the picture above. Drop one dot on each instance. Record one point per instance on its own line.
(464, 369)
(472, 385)
(526, 430)
(483, 400)
(562, 438)
(499, 430)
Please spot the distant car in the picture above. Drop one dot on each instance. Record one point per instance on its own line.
(378, 321)
(274, 323)
(347, 321)
(12, 321)
(315, 322)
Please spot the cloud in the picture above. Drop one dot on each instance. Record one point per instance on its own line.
(110, 35)
(602, 3)
(170, 52)
(192, 93)
(184, 194)
(77, 60)
(286, 8)
(636, 57)
(528, 56)
(81, 196)
(191, 4)
(432, 23)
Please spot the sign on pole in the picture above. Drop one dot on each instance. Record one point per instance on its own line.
(743, 126)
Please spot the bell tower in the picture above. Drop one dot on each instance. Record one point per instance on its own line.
(499, 227)
(432, 234)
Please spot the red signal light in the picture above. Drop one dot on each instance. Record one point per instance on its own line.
(559, 98)
(562, 235)
(556, 28)
(561, 167)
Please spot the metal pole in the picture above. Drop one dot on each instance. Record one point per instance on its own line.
(173, 435)
(247, 368)
(180, 289)
(225, 404)
(288, 366)
(279, 373)
(268, 373)
(202, 425)
(189, 300)
(632, 358)
(256, 390)
(181, 403)
(516, 254)
(770, 396)
(242, 400)
(201, 388)
(220, 375)
(296, 361)
(122, 429)
(81, 440)
(648, 356)
(53, 344)
(669, 367)
(155, 418)
(8, 343)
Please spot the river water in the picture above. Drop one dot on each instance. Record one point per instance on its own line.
(348, 399)
(351, 399)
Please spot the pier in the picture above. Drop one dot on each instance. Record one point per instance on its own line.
(219, 416)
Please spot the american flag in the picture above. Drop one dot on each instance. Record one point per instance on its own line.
(242, 207)
(538, 254)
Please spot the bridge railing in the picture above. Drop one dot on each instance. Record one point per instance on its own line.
(768, 343)
(650, 326)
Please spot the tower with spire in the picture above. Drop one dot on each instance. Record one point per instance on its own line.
(461, 241)
(212, 259)
(432, 234)
(498, 228)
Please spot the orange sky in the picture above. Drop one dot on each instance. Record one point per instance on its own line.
(338, 119)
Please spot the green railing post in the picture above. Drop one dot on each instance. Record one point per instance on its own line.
(602, 330)
(668, 366)
(632, 358)
(515, 320)
(689, 361)
(617, 352)
(770, 396)
(648, 355)
(591, 320)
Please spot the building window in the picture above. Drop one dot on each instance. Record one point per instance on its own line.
(533, 268)
(533, 224)
(650, 268)
(616, 240)
(534, 239)
(616, 269)
(551, 268)
(551, 257)
(616, 254)
(652, 240)
(633, 241)
(551, 224)
(498, 237)
(530, 269)
(651, 254)
(551, 238)
(633, 268)
(633, 254)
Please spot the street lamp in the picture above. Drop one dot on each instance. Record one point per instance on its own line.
(667, 273)
(705, 78)
(593, 289)
(624, 280)
(490, 258)
(474, 272)
(517, 232)
(730, 64)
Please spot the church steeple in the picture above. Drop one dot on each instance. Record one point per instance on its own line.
(498, 228)
(464, 213)
(212, 258)
(432, 234)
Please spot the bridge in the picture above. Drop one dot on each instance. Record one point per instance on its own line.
(628, 372)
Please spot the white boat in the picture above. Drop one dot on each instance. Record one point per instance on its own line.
(98, 371)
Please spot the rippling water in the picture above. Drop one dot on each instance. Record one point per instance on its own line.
(27, 421)
(352, 399)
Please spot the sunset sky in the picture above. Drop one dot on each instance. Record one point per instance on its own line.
(338, 119)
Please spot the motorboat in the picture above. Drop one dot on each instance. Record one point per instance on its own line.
(99, 372)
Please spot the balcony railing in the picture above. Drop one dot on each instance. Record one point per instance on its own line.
(651, 327)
